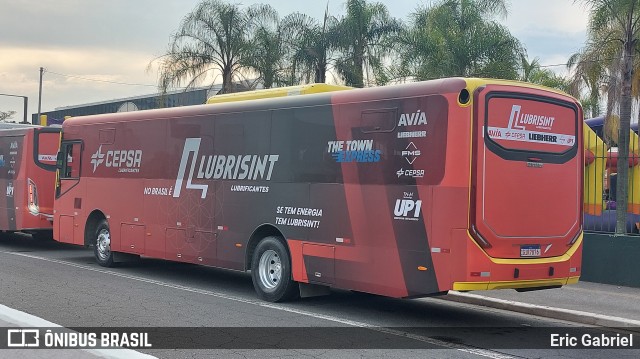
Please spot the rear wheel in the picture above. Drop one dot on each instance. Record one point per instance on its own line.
(271, 271)
(102, 244)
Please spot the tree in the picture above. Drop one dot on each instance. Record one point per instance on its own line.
(617, 23)
(460, 38)
(532, 72)
(6, 115)
(266, 54)
(311, 45)
(365, 30)
(595, 72)
(214, 36)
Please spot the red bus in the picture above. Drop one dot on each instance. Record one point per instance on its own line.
(403, 191)
(27, 175)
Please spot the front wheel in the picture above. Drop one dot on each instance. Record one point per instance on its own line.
(271, 271)
(102, 245)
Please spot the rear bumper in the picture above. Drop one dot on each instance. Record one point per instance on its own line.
(542, 283)
(481, 272)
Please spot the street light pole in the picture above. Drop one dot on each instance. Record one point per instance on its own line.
(25, 98)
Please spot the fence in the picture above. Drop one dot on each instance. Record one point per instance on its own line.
(600, 185)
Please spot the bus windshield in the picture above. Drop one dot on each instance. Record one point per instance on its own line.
(529, 124)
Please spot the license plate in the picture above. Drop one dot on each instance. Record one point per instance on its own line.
(530, 250)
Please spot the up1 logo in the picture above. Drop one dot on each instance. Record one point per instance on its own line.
(407, 209)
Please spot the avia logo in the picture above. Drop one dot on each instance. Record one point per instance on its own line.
(413, 119)
(126, 161)
(518, 120)
(411, 153)
(230, 167)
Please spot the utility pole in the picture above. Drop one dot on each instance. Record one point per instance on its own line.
(37, 121)
(24, 119)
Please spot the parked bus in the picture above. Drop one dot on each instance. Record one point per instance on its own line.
(27, 177)
(403, 191)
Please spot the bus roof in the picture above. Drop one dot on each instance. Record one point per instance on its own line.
(318, 94)
(276, 92)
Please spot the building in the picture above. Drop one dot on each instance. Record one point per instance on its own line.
(196, 96)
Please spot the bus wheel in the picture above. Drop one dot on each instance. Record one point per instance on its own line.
(271, 271)
(102, 245)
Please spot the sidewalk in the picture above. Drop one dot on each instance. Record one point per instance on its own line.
(584, 302)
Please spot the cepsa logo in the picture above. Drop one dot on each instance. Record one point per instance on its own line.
(126, 161)
(229, 167)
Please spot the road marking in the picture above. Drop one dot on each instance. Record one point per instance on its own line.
(460, 347)
(21, 319)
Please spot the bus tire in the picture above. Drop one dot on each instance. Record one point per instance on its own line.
(271, 271)
(102, 244)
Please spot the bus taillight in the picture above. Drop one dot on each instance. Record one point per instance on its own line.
(479, 239)
(32, 200)
(575, 238)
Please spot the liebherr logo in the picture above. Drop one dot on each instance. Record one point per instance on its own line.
(229, 167)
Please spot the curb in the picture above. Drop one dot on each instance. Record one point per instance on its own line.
(569, 315)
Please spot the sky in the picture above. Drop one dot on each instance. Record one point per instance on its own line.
(86, 45)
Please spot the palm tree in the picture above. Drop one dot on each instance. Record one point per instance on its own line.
(534, 73)
(266, 52)
(618, 22)
(460, 38)
(364, 31)
(311, 45)
(590, 76)
(211, 37)
(595, 71)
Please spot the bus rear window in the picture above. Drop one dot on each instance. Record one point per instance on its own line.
(530, 124)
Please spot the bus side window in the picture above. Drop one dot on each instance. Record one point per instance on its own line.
(71, 165)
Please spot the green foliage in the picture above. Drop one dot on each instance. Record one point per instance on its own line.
(532, 72)
(364, 47)
(214, 36)
(366, 32)
(459, 38)
(6, 115)
(614, 32)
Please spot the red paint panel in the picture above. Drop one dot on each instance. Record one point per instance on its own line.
(527, 186)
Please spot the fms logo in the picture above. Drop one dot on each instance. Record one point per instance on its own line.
(407, 209)
(126, 161)
(229, 167)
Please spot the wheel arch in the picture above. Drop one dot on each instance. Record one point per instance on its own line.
(95, 217)
(263, 231)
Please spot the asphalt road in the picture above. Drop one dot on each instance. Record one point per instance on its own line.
(64, 285)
